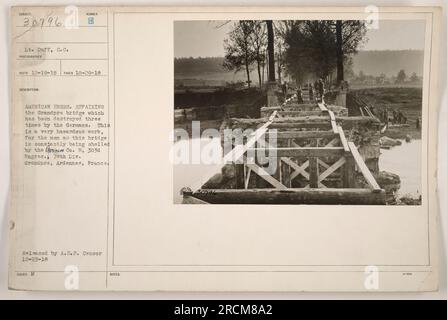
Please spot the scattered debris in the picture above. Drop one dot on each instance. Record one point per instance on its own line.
(388, 181)
(410, 200)
(391, 183)
(386, 142)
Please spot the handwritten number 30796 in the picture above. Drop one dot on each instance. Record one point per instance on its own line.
(51, 21)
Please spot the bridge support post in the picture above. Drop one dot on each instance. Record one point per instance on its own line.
(285, 174)
(340, 99)
(277, 174)
(239, 176)
(349, 172)
(313, 174)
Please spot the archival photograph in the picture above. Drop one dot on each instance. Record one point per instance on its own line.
(319, 112)
(251, 149)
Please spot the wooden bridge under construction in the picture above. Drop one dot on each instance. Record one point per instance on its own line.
(316, 157)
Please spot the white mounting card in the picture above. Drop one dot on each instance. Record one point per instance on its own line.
(224, 148)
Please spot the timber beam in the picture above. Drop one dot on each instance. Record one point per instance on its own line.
(291, 196)
(303, 134)
(293, 152)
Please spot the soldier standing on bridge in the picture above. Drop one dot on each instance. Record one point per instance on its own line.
(284, 89)
(320, 89)
(311, 92)
(299, 94)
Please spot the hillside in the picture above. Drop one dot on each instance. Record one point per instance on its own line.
(370, 62)
(389, 62)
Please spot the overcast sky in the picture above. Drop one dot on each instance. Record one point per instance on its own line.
(205, 38)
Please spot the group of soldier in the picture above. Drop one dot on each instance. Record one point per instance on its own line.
(398, 116)
(316, 91)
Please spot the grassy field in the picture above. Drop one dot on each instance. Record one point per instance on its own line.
(228, 76)
(406, 99)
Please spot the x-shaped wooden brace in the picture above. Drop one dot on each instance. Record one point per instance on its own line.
(301, 169)
(298, 169)
(262, 173)
(330, 170)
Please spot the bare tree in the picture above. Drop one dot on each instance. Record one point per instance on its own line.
(320, 47)
(281, 28)
(239, 52)
(310, 48)
(258, 37)
(350, 34)
(339, 38)
(271, 50)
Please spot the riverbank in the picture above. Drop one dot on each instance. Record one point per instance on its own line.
(407, 100)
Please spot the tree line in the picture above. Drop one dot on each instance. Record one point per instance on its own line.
(304, 49)
(400, 78)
